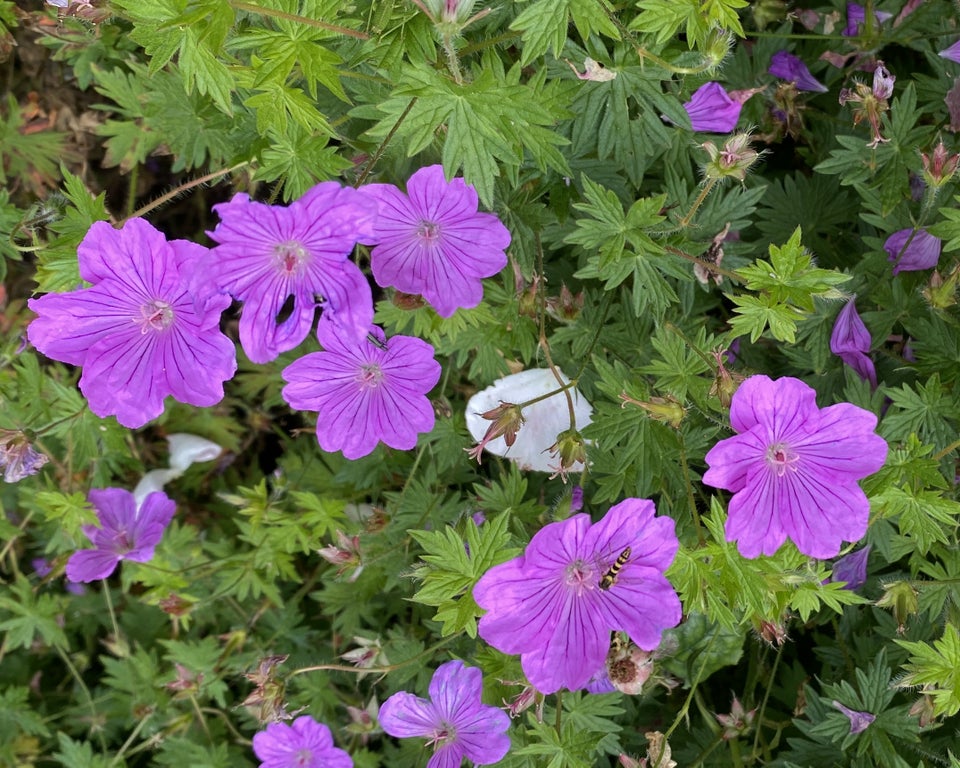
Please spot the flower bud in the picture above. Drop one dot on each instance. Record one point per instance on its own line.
(901, 597)
(941, 293)
(939, 166)
(767, 12)
(716, 48)
(346, 554)
(667, 410)
(724, 383)
(571, 449)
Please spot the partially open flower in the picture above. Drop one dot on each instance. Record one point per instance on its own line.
(738, 723)
(939, 166)
(507, 420)
(345, 554)
(18, 459)
(858, 720)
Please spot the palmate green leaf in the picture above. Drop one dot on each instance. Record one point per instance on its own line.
(300, 159)
(724, 14)
(809, 597)
(937, 666)
(571, 748)
(450, 567)
(26, 617)
(923, 515)
(755, 314)
(930, 410)
(293, 46)
(489, 123)
(79, 754)
(948, 229)
(664, 18)
(544, 27)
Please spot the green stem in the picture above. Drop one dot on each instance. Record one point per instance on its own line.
(453, 62)
(183, 188)
(21, 527)
(374, 670)
(766, 696)
(113, 616)
(383, 144)
(251, 8)
(130, 739)
(86, 694)
(706, 190)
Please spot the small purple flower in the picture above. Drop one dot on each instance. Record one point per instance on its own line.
(850, 340)
(577, 581)
(952, 53)
(857, 15)
(454, 719)
(304, 744)
(432, 241)
(793, 469)
(18, 458)
(125, 533)
(140, 333)
(272, 257)
(852, 569)
(712, 109)
(365, 393)
(858, 720)
(912, 250)
(789, 67)
(576, 499)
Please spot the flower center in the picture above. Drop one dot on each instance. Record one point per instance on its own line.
(781, 457)
(290, 258)
(444, 734)
(428, 232)
(369, 376)
(303, 757)
(122, 542)
(579, 577)
(155, 315)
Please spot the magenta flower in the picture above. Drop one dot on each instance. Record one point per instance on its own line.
(557, 603)
(850, 340)
(793, 469)
(140, 333)
(852, 569)
(857, 15)
(912, 250)
(952, 53)
(305, 744)
(858, 720)
(432, 241)
(789, 67)
(454, 719)
(365, 393)
(712, 109)
(281, 261)
(125, 533)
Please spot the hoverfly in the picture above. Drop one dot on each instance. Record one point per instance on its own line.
(610, 577)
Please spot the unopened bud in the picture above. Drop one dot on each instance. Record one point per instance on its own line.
(901, 598)
(716, 48)
(939, 166)
(571, 449)
(667, 410)
(941, 292)
(565, 307)
(766, 12)
(345, 554)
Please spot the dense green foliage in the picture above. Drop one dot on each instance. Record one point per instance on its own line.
(161, 108)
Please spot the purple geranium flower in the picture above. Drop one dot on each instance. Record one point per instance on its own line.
(789, 67)
(852, 569)
(125, 533)
(140, 333)
(850, 340)
(712, 110)
(305, 744)
(557, 603)
(275, 258)
(912, 250)
(455, 719)
(858, 720)
(793, 469)
(952, 53)
(857, 15)
(365, 393)
(432, 241)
